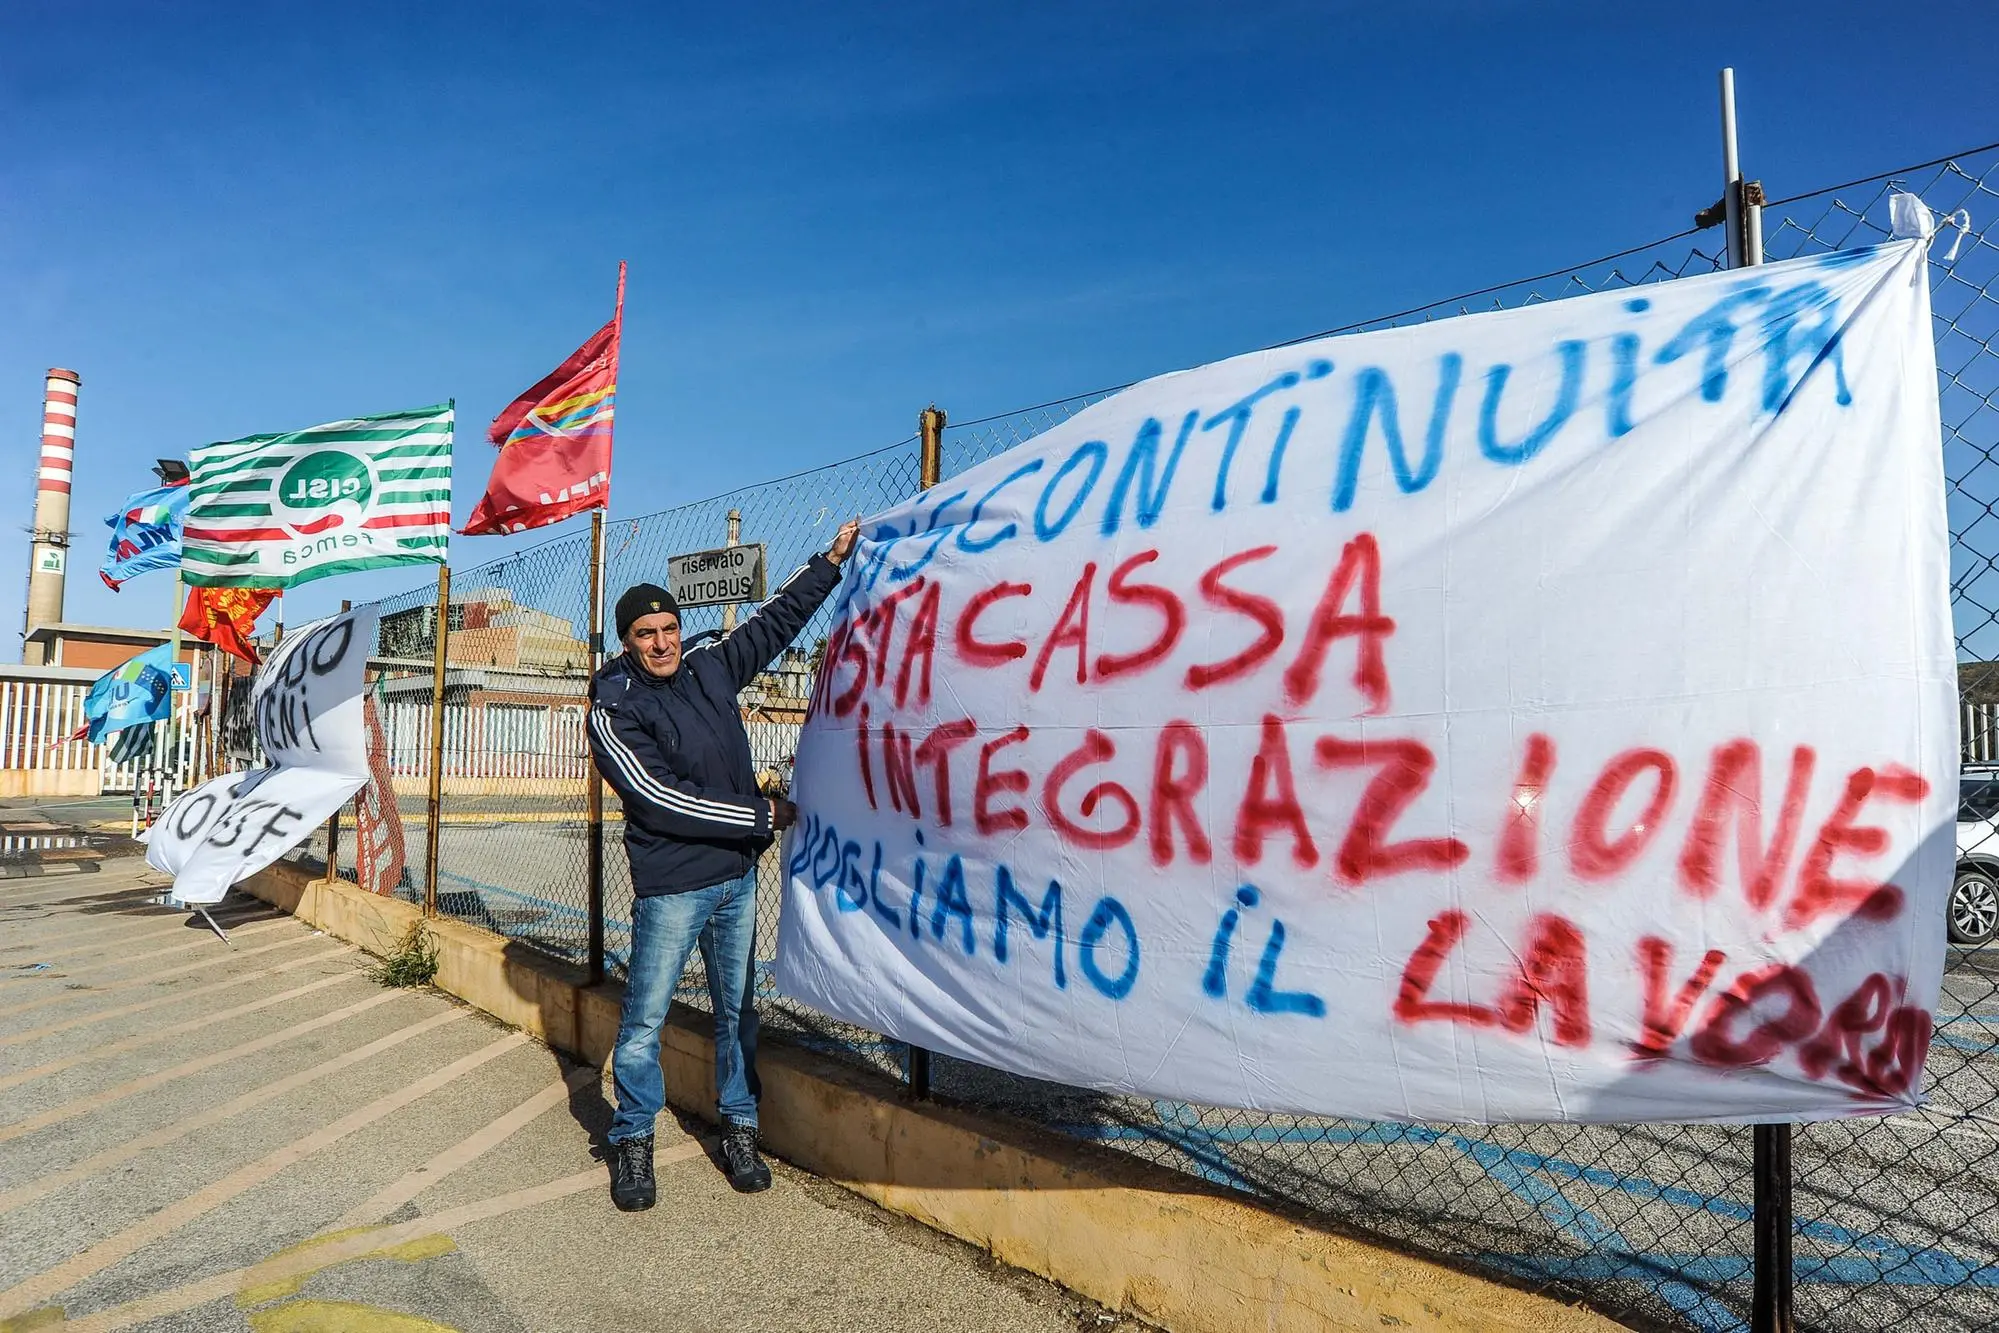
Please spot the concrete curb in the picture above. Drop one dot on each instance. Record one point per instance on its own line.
(1129, 1235)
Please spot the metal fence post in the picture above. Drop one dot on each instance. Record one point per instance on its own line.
(930, 428)
(430, 841)
(594, 779)
(332, 847)
(1770, 1308)
(333, 820)
(733, 535)
(930, 471)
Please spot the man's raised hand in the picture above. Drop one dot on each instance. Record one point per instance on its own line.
(843, 541)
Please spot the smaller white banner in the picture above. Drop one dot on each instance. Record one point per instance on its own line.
(307, 702)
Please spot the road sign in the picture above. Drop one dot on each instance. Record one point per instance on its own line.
(183, 676)
(718, 577)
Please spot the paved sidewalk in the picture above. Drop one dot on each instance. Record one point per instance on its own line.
(257, 1136)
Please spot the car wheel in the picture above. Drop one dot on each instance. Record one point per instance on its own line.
(1974, 908)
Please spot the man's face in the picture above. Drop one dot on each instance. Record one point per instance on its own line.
(655, 641)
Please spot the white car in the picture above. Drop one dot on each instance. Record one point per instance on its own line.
(1974, 899)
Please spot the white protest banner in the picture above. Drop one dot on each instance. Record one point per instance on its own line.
(307, 702)
(1540, 715)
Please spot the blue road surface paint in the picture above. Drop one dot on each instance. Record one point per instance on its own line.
(1965, 1044)
(547, 905)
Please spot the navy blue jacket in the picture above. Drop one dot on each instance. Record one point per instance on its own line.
(675, 750)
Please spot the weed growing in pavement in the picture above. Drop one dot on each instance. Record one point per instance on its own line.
(413, 962)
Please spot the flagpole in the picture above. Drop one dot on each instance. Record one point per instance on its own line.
(594, 782)
(173, 660)
(441, 635)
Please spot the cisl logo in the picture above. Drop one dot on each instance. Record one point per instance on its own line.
(323, 490)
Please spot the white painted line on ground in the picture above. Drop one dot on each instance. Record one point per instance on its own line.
(200, 941)
(98, 1100)
(462, 1154)
(97, 936)
(130, 1148)
(315, 1258)
(179, 997)
(221, 955)
(24, 1296)
(133, 1043)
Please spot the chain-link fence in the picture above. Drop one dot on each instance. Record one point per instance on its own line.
(1897, 1220)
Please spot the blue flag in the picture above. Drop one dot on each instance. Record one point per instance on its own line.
(131, 694)
(145, 534)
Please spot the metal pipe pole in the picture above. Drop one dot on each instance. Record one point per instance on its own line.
(1731, 171)
(1770, 1170)
(333, 820)
(734, 534)
(219, 676)
(436, 741)
(190, 739)
(595, 780)
(204, 756)
(1752, 221)
(172, 755)
(930, 470)
(1771, 1308)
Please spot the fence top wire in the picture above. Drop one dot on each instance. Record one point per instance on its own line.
(1946, 159)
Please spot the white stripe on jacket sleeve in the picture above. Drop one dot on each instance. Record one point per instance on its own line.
(669, 799)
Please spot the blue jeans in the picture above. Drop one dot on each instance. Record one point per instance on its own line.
(665, 929)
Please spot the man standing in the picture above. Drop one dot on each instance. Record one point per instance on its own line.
(667, 734)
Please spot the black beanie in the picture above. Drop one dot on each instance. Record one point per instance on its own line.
(643, 599)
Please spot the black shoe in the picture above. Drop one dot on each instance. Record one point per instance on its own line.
(747, 1172)
(631, 1174)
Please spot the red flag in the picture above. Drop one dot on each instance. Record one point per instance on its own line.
(226, 617)
(555, 440)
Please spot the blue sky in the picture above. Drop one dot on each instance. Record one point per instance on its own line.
(245, 218)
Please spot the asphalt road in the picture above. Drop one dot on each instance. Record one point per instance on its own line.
(256, 1135)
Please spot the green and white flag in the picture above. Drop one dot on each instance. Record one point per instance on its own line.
(275, 511)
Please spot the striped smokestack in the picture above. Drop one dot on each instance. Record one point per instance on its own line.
(49, 555)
